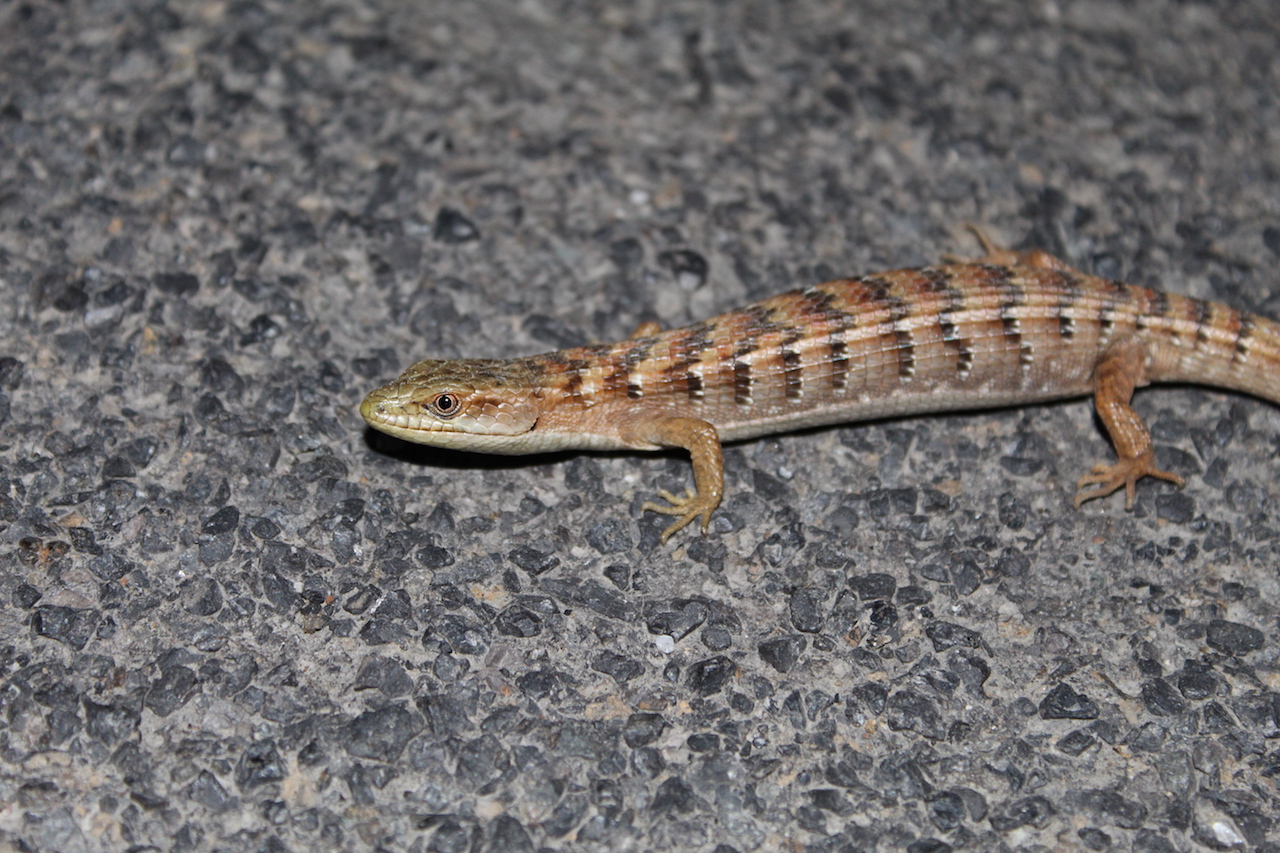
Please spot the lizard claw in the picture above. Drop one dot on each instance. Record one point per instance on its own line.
(1126, 473)
(688, 506)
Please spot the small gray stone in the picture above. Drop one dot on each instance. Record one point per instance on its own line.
(381, 734)
(1232, 638)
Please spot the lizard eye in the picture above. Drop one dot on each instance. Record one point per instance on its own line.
(446, 405)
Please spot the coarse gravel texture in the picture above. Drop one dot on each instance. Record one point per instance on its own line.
(232, 618)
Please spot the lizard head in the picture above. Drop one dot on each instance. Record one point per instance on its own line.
(467, 404)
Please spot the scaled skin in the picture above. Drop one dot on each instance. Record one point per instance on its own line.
(1010, 329)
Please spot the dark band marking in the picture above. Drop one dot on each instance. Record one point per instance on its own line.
(1067, 298)
(1013, 297)
(694, 383)
(573, 370)
(640, 350)
(816, 303)
(1159, 309)
(823, 308)
(935, 280)
(632, 357)
(1106, 321)
(759, 319)
(611, 360)
(686, 351)
(878, 289)
(696, 340)
(615, 380)
(1244, 334)
(815, 309)
(943, 283)
(756, 321)
(792, 369)
(964, 357)
(1117, 296)
(1203, 319)
(903, 341)
(742, 383)
(839, 362)
(906, 341)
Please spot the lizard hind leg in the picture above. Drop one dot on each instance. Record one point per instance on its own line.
(996, 255)
(646, 329)
(1119, 371)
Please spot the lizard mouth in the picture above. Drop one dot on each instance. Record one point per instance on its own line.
(480, 424)
(371, 410)
(385, 409)
(377, 410)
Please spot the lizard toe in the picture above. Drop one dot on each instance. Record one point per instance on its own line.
(1105, 479)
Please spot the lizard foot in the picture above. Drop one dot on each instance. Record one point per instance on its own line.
(1126, 473)
(688, 506)
(993, 253)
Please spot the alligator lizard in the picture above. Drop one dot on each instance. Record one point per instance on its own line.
(1008, 329)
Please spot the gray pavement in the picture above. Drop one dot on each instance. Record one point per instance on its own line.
(231, 618)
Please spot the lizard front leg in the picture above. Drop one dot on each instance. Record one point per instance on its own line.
(702, 441)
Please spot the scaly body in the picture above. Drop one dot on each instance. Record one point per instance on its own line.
(1009, 329)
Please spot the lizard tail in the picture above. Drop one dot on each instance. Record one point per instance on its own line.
(1231, 349)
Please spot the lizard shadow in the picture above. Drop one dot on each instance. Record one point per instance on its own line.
(422, 456)
(425, 456)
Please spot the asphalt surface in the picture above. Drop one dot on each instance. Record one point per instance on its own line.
(232, 618)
